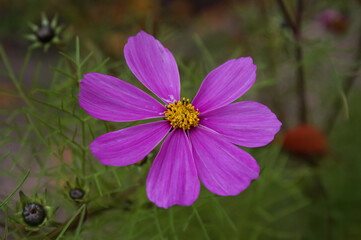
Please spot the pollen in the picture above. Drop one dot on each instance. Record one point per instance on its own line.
(182, 114)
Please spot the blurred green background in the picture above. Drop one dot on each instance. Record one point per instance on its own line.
(308, 56)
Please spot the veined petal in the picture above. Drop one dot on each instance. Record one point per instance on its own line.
(225, 84)
(129, 145)
(109, 98)
(153, 65)
(222, 167)
(248, 124)
(172, 178)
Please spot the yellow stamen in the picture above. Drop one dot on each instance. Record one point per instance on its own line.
(182, 114)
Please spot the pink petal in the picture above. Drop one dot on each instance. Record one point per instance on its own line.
(249, 124)
(129, 145)
(153, 65)
(172, 178)
(222, 167)
(109, 98)
(225, 84)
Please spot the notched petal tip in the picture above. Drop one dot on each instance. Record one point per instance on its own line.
(169, 204)
(225, 84)
(172, 179)
(223, 168)
(153, 65)
(248, 123)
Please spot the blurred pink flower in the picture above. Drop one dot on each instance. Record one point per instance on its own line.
(333, 21)
(200, 136)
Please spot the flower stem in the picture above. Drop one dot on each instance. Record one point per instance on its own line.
(296, 30)
(61, 49)
(301, 91)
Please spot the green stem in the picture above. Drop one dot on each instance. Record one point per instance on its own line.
(300, 78)
(83, 153)
(346, 88)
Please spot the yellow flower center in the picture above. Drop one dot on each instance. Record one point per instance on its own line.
(181, 114)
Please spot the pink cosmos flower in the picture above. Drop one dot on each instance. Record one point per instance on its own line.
(199, 136)
(333, 21)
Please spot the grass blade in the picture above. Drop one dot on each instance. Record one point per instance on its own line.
(16, 189)
(70, 222)
(201, 222)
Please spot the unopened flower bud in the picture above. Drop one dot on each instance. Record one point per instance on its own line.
(76, 193)
(33, 214)
(45, 34)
